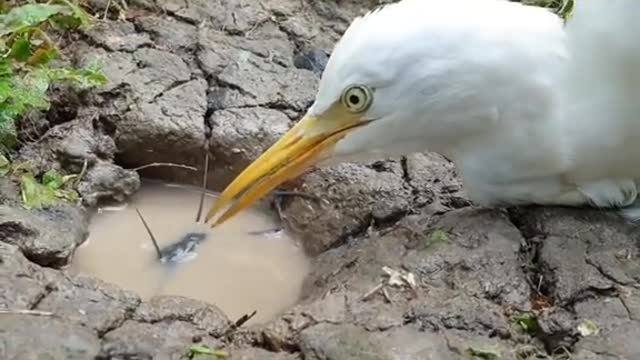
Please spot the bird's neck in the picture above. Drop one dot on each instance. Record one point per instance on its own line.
(520, 158)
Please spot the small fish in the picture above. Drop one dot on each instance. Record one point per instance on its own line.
(183, 250)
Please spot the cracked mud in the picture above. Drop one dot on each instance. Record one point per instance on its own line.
(231, 77)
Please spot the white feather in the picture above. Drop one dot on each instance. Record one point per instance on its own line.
(602, 92)
(530, 112)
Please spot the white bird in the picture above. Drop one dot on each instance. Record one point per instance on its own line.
(530, 110)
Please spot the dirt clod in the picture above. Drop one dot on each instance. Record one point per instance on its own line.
(38, 337)
(47, 238)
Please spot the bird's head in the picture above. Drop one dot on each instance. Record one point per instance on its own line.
(403, 78)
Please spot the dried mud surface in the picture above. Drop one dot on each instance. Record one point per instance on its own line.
(231, 76)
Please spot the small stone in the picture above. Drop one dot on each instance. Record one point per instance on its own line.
(89, 302)
(46, 236)
(202, 315)
(22, 283)
(106, 182)
(340, 342)
(166, 340)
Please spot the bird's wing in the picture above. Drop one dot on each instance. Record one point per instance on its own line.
(601, 103)
(602, 97)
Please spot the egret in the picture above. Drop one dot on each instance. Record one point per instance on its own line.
(530, 109)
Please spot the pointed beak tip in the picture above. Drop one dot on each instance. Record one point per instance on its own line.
(288, 158)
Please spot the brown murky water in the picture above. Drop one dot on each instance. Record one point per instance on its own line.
(233, 269)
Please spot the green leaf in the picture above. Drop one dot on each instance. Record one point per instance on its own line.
(37, 194)
(5, 68)
(437, 236)
(5, 165)
(588, 328)
(21, 49)
(196, 350)
(53, 180)
(22, 167)
(28, 15)
(83, 19)
(34, 194)
(27, 93)
(24, 87)
(38, 80)
(8, 131)
(484, 354)
(68, 195)
(4, 162)
(528, 322)
(67, 21)
(89, 76)
(5, 90)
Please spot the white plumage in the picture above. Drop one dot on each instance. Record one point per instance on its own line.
(528, 109)
(530, 112)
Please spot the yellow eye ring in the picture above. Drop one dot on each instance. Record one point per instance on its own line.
(357, 98)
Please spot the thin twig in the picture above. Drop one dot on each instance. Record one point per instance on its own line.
(153, 238)
(244, 318)
(106, 10)
(85, 164)
(238, 323)
(204, 182)
(164, 164)
(371, 292)
(278, 205)
(25, 312)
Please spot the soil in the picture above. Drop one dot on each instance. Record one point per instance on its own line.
(231, 76)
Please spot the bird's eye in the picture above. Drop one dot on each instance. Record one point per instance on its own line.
(357, 98)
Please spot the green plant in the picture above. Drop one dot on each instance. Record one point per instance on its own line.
(48, 190)
(528, 322)
(203, 352)
(588, 328)
(484, 354)
(27, 69)
(27, 55)
(437, 236)
(40, 191)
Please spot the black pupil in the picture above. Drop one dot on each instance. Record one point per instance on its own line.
(354, 99)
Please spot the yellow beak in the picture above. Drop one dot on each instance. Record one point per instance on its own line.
(308, 142)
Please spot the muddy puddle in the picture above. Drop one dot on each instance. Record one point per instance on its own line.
(239, 267)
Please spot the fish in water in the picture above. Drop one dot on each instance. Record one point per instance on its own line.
(179, 252)
(183, 250)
